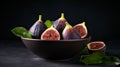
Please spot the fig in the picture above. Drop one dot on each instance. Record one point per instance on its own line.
(82, 29)
(96, 46)
(70, 33)
(59, 24)
(37, 28)
(50, 34)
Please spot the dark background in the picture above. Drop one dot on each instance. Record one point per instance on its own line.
(101, 16)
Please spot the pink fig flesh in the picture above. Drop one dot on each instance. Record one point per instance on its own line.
(50, 34)
(96, 46)
(82, 29)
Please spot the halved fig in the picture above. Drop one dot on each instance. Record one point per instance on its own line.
(50, 34)
(96, 46)
(82, 29)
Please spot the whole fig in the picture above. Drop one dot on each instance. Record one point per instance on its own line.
(37, 28)
(70, 33)
(59, 24)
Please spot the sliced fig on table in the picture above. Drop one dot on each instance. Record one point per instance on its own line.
(96, 46)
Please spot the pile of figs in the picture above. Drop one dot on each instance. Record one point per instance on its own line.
(62, 30)
(59, 30)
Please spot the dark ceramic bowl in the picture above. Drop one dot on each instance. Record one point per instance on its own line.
(57, 49)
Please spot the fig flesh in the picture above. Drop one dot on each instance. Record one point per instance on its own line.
(96, 46)
(37, 28)
(50, 34)
(82, 29)
(70, 33)
(59, 24)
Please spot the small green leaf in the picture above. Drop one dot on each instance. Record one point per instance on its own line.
(21, 32)
(48, 23)
(27, 35)
(94, 58)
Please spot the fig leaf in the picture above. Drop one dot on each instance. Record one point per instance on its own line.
(94, 58)
(100, 58)
(48, 23)
(84, 51)
(111, 60)
(21, 32)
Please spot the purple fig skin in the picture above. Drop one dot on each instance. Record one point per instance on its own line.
(59, 24)
(68, 33)
(71, 34)
(37, 28)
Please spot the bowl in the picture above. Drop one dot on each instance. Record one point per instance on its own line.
(55, 49)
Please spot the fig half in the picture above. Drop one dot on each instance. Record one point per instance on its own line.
(50, 34)
(82, 29)
(96, 46)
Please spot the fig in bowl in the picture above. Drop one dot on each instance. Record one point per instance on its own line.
(55, 49)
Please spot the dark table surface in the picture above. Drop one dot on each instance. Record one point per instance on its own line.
(15, 54)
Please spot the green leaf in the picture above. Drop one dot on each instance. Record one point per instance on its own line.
(94, 58)
(84, 51)
(111, 60)
(21, 32)
(27, 35)
(48, 23)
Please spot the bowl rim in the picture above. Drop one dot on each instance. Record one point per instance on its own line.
(56, 40)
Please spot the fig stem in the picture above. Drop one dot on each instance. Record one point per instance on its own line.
(67, 24)
(62, 16)
(83, 23)
(52, 26)
(40, 17)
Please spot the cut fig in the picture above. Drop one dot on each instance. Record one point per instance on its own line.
(59, 24)
(50, 34)
(96, 46)
(37, 28)
(70, 33)
(82, 29)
